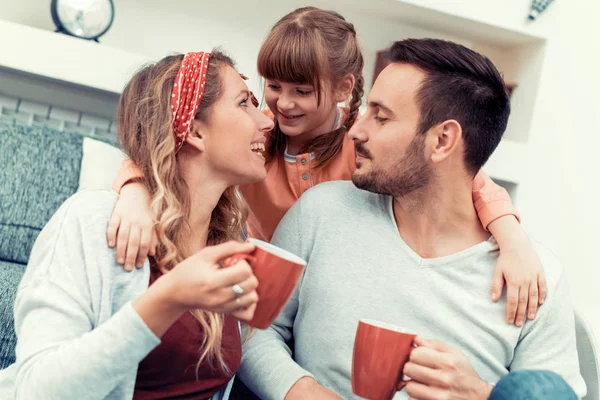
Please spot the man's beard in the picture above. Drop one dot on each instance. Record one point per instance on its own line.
(408, 174)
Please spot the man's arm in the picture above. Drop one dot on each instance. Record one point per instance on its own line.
(268, 368)
(308, 389)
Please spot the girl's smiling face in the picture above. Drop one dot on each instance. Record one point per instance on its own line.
(298, 110)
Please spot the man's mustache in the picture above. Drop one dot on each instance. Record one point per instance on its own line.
(362, 151)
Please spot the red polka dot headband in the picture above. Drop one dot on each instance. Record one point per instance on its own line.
(187, 94)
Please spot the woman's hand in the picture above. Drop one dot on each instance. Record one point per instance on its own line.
(199, 282)
(131, 227)
(202, 283)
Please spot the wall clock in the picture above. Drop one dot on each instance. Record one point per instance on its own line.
(86, 19)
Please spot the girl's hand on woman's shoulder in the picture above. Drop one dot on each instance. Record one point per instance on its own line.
(131, 227)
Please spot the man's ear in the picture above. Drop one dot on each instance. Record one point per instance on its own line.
(197, 136)
(447, 137)
(344, 88)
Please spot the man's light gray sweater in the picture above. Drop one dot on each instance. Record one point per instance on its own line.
(359, 267)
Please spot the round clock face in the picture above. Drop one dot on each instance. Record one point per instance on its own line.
(87, 19)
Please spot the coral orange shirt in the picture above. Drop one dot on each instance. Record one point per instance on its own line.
(288, 177)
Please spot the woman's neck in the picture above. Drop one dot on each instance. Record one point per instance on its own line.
(204, 200)
(296, 143)
(205, 191)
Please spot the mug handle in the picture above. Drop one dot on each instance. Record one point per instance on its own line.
(402, 384)
(236, 258)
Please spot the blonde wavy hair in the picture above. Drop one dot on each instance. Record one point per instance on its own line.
(146, 136)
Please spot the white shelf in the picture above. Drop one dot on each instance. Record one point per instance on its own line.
(508, 162)
(438, 17)
(459, 18)
(60, 57)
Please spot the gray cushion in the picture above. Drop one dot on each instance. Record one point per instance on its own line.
(10, 276)
(39, 170)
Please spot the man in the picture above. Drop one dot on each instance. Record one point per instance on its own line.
(404, 246)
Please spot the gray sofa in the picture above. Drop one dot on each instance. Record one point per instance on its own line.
(39, 170)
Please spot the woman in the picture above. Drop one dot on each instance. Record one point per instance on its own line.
(88, 329)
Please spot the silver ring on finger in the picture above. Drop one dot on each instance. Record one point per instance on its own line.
(237, 289)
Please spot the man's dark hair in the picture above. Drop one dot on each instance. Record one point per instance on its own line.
(463, 85)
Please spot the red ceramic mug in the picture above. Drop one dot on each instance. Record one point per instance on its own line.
(380, 352)
(278, 272)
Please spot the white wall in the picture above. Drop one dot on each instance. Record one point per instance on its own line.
(157, 27)
(560, 190)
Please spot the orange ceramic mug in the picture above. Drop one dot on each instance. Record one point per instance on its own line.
(380, 352)
(278, 272)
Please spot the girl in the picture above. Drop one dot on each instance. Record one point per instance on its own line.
(89, 330)
(311, 61)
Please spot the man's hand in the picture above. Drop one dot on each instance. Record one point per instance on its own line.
(440, 371)
(307, 389)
